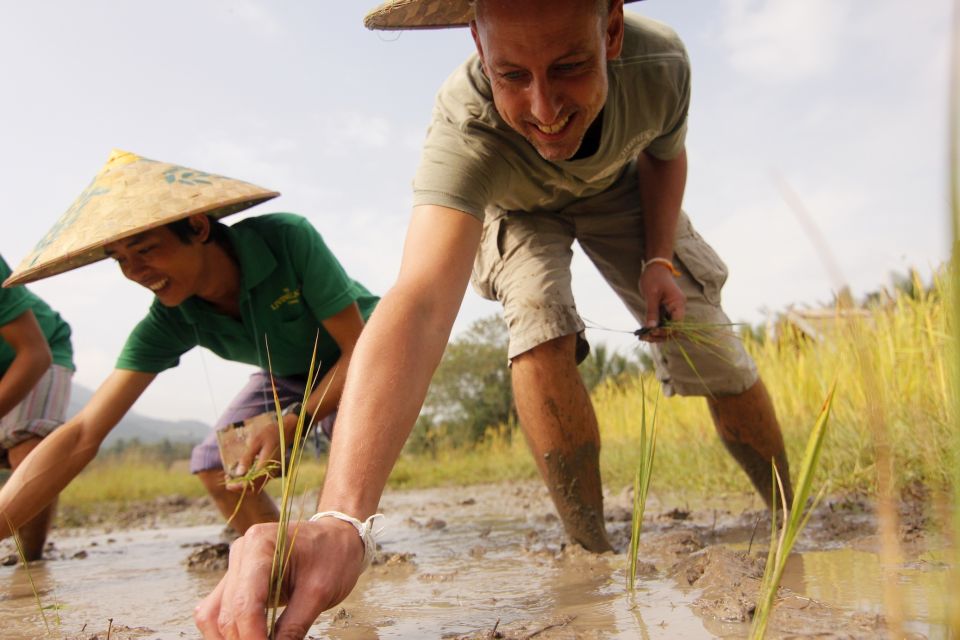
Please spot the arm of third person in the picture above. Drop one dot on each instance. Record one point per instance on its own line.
(64, 453)
(31, 360)
(386, 384)
(344, 327)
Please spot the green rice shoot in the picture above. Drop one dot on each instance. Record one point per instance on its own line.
(795, 521)
(641, 483)
(289, 474)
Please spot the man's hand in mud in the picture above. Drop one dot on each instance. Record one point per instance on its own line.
(323, 568)
(262, 454)
(661, 293)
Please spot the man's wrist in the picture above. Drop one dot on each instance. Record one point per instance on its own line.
(293, 408)
(666, 263)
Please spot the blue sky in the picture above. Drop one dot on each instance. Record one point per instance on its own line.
(842, 101)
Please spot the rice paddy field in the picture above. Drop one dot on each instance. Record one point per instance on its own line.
(473, 548)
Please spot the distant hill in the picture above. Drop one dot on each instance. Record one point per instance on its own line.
(141, 427)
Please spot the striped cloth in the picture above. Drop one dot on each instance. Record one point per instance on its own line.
(39, 413)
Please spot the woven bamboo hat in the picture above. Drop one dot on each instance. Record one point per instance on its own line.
(421, 14)
(131, 195)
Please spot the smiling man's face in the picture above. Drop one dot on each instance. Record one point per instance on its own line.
(158, 260)
(547, 64)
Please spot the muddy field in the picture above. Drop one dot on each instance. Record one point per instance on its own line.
(490, 562)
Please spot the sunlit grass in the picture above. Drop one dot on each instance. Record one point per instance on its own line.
(908, 339)
(952, 522)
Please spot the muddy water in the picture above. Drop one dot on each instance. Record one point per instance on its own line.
(466, 562)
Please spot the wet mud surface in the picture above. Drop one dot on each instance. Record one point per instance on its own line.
(493, 562)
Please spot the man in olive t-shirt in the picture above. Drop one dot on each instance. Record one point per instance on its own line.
(522, 158)
(509, 146)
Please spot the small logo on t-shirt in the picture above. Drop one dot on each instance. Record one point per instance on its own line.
(288, 297)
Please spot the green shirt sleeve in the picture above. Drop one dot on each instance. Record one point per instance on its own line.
(157, 342)
(327, 289)
(13, 300)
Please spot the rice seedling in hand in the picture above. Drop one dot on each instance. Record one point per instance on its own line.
(710, 337)
(795, 520)
(641, 482)
(289, 474)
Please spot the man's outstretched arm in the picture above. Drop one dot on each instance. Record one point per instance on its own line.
(64, 453)
(387, 382)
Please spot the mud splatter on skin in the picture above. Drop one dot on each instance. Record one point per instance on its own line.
(577, 496)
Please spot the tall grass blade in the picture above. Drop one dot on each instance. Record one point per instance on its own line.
(794, 521)
(953, 589)
(26, 567)
(641, 482)
(289, 475)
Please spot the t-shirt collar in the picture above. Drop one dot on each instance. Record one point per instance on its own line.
(256, 260)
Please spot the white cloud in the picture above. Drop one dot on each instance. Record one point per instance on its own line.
(780, 41)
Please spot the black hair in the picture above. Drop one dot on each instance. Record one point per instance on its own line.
(185, 231)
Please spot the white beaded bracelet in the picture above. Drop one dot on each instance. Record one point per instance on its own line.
(365, 529)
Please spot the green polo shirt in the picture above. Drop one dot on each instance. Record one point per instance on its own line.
(289, 283)
(17, 300)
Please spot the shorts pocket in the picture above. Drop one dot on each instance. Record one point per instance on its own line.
(701, 262)
(489, 260)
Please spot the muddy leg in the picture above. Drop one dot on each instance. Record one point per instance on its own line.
(748, 427)
(33, 534)
(255, 507)
(561, 430)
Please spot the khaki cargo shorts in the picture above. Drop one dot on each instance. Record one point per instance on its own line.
(524, 262)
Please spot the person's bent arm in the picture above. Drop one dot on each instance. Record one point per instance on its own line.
(31, 361)
(662, 184)
(345, 328)
(386, 384)
(64, 453)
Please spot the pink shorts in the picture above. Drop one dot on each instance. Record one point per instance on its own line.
(255, 398)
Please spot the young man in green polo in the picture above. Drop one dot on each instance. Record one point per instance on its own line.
(36, 367)
(259, 292)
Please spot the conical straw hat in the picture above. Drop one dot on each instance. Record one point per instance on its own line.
(131, 195)
(422, 14)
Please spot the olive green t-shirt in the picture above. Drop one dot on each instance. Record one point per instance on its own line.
(472, 159)
(17, 300)
(290, 283)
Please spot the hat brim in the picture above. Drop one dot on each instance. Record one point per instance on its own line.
(395, 15)
(129, 196)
